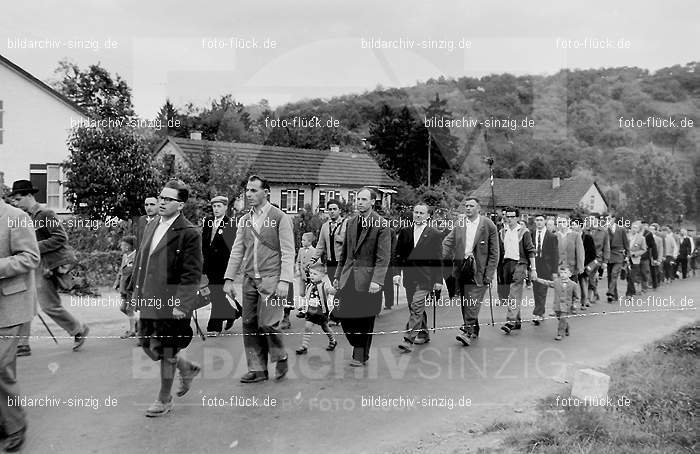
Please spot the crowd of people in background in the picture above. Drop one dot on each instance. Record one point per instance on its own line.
(339, 275)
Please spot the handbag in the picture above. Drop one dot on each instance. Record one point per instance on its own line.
(69, 277)
(203, 294)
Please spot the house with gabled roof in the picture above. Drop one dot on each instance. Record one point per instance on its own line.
(297, 176)
(550, 197)
(35, 122)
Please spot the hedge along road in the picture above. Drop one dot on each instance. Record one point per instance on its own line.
(94, 400)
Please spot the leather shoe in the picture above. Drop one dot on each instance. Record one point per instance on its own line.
(186, 379)
(463, 339)
(356, 363)
(421, 340)
(80, 338)
(254, 376)
(404, 348)
(14, 441)
(281, 369)
(24, 350)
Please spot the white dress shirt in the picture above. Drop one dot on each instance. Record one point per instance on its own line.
(470, 234)
(417, 232)
(163, 226)
(539, 241)
(511, 243)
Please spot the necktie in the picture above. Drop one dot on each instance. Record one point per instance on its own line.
(331, 240)
(539, 244)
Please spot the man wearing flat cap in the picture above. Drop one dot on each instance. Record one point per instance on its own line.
(218, 235)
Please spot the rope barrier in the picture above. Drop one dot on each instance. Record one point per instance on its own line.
(380, 333)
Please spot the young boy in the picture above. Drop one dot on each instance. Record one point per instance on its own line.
(318, 303)
(567, 296)
(128, 248)
(305, 258)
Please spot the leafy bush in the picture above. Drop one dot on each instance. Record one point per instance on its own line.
(101, 267)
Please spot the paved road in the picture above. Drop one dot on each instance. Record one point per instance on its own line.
(320, 405)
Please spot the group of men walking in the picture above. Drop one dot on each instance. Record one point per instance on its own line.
(362, 255)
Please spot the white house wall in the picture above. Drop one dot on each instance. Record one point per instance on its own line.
(593, 201)
(36, 125)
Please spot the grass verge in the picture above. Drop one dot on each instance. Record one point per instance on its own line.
(655, 401)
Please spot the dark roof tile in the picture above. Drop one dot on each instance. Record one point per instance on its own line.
(294, 165)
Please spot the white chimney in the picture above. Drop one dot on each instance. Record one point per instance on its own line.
(196, 135)
(335, 148)
(556, 182)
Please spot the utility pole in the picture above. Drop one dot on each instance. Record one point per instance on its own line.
(490, 161)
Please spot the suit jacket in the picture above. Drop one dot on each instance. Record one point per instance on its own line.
(52, 238)
(366, 258)
(574, 255)
(140, 227)
(19, 256)
(652, 253)
(172, 274)
(217, 251)
(589, 249)
(601, 238)
(685, 248)
(422, 264)
(619, 245)
(325, 242)
(486, 249)
(637, 247)
(548, 259)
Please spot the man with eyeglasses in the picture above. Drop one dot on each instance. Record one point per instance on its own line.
(167, 275)
(150, 206)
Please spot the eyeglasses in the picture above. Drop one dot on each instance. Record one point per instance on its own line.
(167, 199)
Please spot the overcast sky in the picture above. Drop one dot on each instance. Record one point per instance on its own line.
(162, 47)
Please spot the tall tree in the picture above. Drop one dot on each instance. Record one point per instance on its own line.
(95, 90)
(654, 186)
(109, 172)
(443, 147)
(167, 117)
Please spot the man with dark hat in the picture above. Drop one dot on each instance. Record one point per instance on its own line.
(56, 258)
(19, 257)
(218, 235)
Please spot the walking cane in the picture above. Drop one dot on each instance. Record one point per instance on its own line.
(47, 327)
(396, 294)
(199, 330)
(491, 305)
(435, 297)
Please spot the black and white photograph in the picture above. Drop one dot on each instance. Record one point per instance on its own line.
(393, 227)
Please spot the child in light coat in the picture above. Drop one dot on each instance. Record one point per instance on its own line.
(318, 302)
(567, 296)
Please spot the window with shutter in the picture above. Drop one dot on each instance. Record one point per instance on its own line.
(300, 203)
(322, 201)
(283, 200)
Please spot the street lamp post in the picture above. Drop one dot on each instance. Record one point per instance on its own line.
(430, 141)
